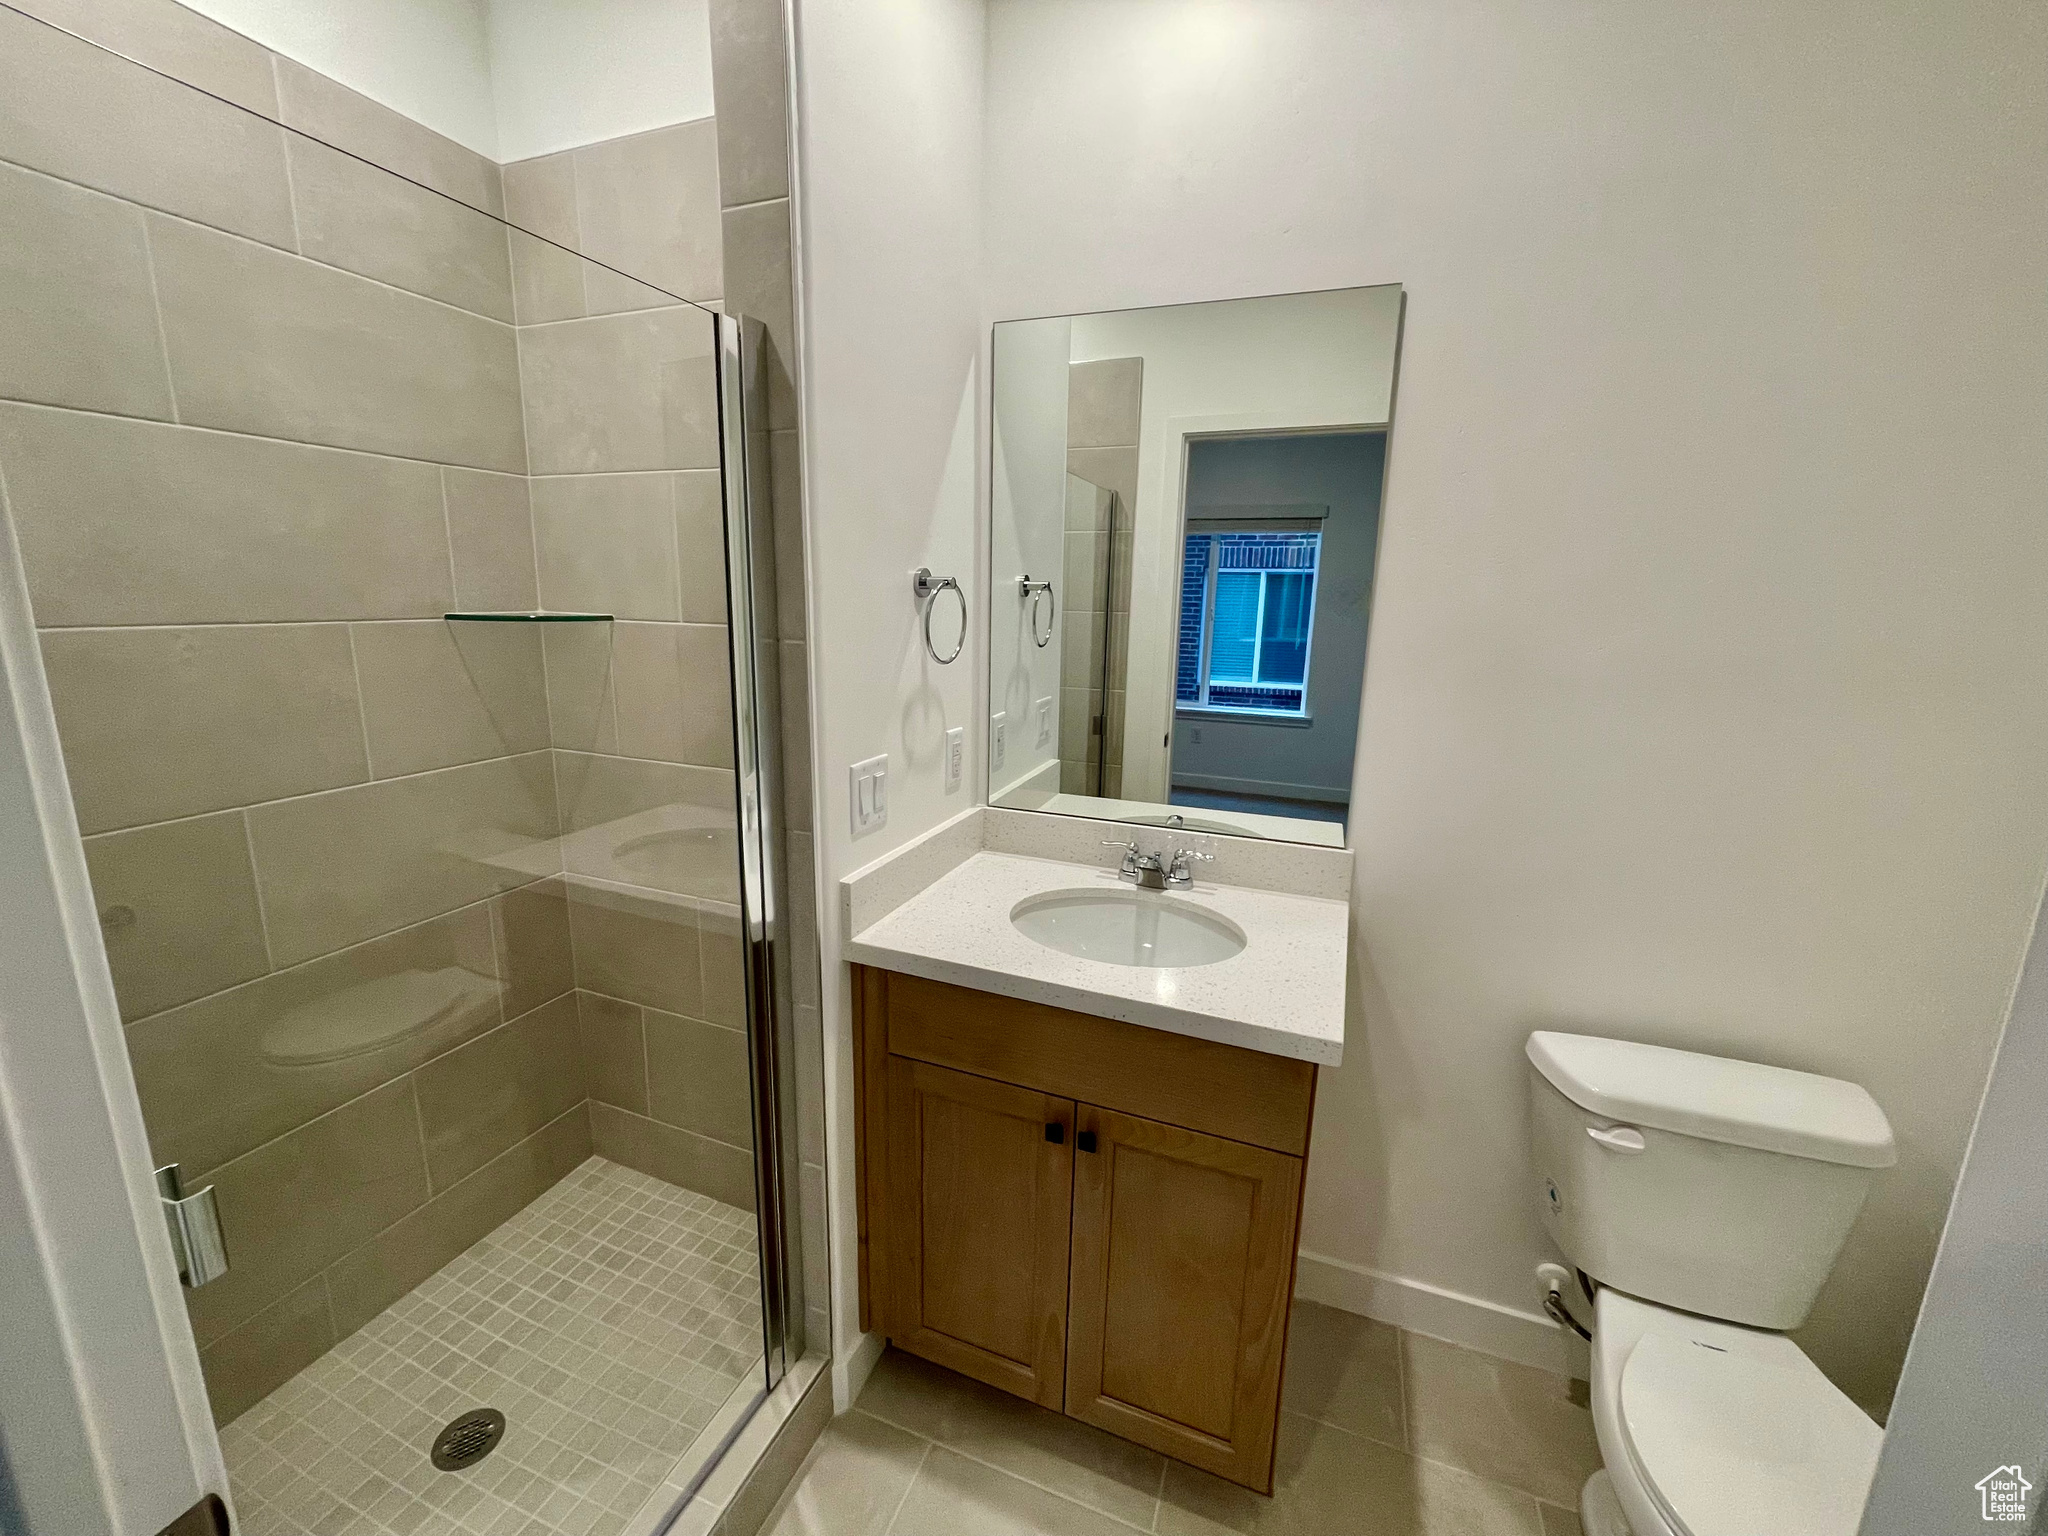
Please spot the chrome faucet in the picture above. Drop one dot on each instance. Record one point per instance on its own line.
(1154, 872)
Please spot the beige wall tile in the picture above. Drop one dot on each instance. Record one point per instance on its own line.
(606, 544)
(129, 522)
(332, 112)
(174, 39)
(614, 1051)
(177, 906)
(667, 1152)
(689, 850)
(674, 690)
(796, 736)
(74, 285)
(1103, 402)
(70, 109)
(802, 897)
(757, 283)
(810, 1085)
(792, 622)
(1508, 1422)
(648, 205)
(547, 281)
(478, 1100)
(697, 1078)
(490, 540)
(581, 714)
(340, 868)
(748, 70)
(1114, 469)
(718, 945)
(227, 1073)
(700, 545)
(246, 1365)
(540, 197)
(366, 1281)
(437, 693)
(1345, 1370)
(638, 948)
(1081, 645)
(159, 723)
(855, 1482)
(296, 1204)
(1328, 1483)
(535, 957)
(354, 215)
(621, 392)
(263, 342)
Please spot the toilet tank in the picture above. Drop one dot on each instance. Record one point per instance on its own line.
(1719, 1187)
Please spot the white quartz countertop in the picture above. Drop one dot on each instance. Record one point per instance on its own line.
(1282, 994)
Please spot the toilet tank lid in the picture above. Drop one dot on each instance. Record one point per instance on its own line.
(1743, 1103)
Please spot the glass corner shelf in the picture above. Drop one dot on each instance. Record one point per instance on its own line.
(532, 617)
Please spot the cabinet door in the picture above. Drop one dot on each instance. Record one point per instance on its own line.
(980, 1188)
(1182, 1270)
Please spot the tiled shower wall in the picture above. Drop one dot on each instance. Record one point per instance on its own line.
(304, 793)
(1105, 401)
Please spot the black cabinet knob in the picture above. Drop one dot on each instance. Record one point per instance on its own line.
(1055, 1133)
(1085, 1141)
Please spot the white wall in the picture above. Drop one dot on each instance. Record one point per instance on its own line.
(429, 59)
(567, 72)
(1299, 360)
(889, 102)
(1704, 695)
(1970, 1398)
(1027, 533)
(510, 79)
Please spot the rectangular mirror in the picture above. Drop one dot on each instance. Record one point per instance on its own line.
(1186, 512)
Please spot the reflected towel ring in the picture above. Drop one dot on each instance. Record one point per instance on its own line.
(928, 587)
(1031, 591)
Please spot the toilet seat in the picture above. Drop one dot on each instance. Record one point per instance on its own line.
(1732, 1441)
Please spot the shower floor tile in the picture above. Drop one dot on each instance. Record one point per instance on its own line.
(607, 1321)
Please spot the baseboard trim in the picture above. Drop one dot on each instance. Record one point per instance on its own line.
(1527, 1337)
(851, 1370)
(1272, 789)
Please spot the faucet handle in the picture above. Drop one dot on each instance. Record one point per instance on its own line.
(1117, 842)
(1178, 873)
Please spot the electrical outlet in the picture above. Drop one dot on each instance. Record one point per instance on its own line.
(956, 752)
(869, 793)
(998, 737)
(1041, 712)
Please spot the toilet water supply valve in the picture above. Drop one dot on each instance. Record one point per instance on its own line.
(1554, 1278)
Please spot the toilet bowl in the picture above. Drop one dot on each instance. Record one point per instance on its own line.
(1705, 1200)
(1712, 1429)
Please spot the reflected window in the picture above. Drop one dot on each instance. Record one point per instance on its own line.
(1247, 610)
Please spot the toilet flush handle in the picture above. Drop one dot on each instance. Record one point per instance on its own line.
(1617, 1138)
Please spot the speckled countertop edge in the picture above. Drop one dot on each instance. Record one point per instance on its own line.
(1283, 995)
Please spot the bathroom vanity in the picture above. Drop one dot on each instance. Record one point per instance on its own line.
(1096, 1213)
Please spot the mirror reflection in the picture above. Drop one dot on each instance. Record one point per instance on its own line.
(1186, 511)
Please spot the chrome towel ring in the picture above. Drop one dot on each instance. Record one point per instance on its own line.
(1031, 591)
(928, 587)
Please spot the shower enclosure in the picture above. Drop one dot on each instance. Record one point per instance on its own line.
(404, 589)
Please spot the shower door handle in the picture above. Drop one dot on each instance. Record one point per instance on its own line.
(194, 1221)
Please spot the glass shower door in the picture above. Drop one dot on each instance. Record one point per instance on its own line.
(393, 575)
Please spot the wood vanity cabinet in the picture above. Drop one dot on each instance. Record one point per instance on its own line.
(1096, 1216)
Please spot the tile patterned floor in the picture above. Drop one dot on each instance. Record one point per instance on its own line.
(1382, 1433)
(608, 1321)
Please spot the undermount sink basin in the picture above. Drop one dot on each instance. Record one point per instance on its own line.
(1127, 928)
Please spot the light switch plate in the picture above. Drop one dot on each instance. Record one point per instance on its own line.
(956, 752)
(998, 737)
(1041, 712)
(868, 786)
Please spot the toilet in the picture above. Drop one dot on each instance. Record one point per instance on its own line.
(1704, 1200)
